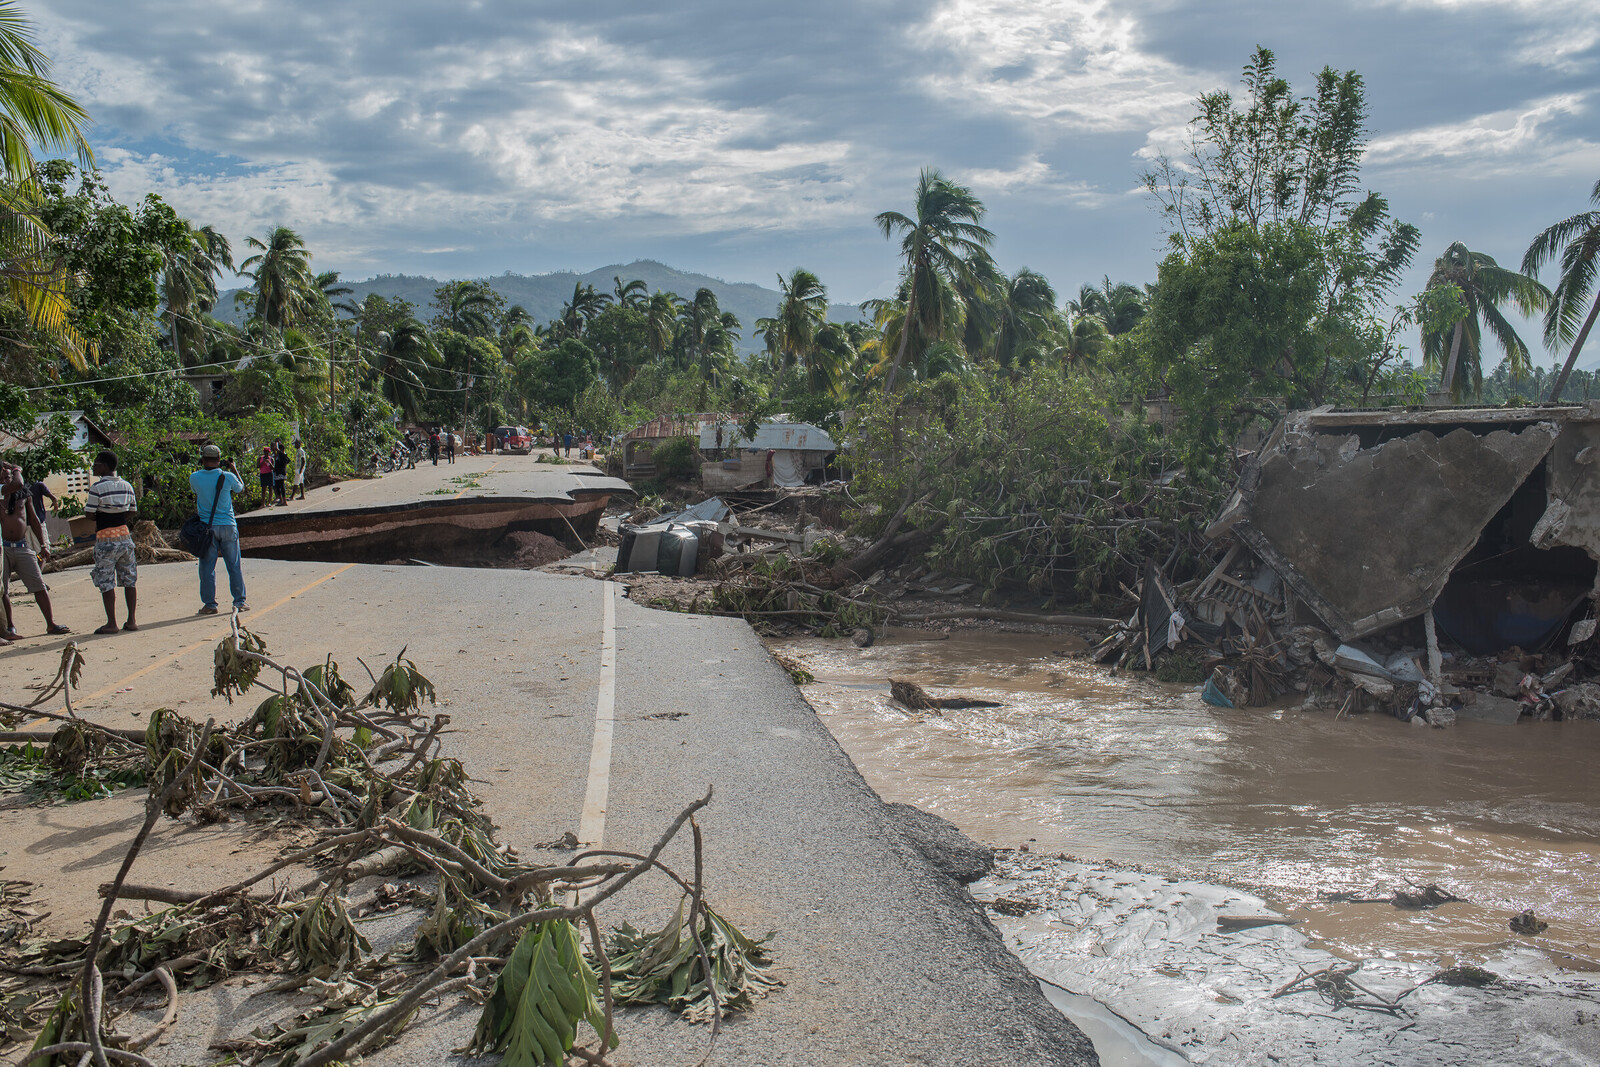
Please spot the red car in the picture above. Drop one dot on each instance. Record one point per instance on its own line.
(514, 439)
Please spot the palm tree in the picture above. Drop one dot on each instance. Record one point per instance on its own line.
(1484, 286)
(939, 243)
(660, 322)
(577, 313)
(1025, 314)
(189, 285)
(33, 109)
(1118, 305)
(328, 284)
(469, 308)
(517, 331)
(405, 353)
(802, 310)
(281, 271)
(631, 294)
(1577, 242)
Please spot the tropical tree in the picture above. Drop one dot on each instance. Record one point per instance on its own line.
(33, 109)
(189, 286)
(281, 275)
(1118, 305)
(1483, 287)
(328, 284)
(630, 294)
(1026, 314)
(470, 308)
(577, 313)
(1577, 242)
(940, 242)
(792, 332)
(661, 319)
(403, 361)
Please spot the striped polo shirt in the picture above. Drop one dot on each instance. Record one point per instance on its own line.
(113, 495)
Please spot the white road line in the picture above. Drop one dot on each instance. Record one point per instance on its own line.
(592, 826)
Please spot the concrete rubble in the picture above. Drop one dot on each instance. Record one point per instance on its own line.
(1428, 563)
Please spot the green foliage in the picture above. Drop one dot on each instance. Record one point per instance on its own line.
(565, 372)
(112, 252)
(39, 774)
(665, 967)
(1025, 484)
(546, 989)
(677, 458)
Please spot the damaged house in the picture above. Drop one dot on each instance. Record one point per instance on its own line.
(1489, 517)
(1442, 558)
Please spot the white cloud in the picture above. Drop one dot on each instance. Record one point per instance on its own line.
(1497, 143)
(1077, 64)
(1558, 34)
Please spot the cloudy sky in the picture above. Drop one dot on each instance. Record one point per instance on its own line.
(741, 139)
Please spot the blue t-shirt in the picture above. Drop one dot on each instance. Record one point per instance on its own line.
(204, 484)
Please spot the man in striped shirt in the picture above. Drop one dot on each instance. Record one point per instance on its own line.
(112, 505)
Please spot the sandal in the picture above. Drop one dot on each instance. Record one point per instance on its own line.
(57, 629)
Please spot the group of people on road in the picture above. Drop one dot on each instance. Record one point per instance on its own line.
(110, 503)
(272, 467)
(113, 506)
(441, 442)
(583, 439)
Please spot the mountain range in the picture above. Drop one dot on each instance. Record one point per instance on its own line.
(543, 295)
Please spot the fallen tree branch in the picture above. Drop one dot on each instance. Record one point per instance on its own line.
(381, 1021)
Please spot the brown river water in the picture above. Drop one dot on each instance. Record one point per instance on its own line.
(1286, 803)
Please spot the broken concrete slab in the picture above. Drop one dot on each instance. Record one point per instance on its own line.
(1367, 536)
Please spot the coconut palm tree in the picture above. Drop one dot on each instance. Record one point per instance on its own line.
(940, 242)
(281, 273)
(1484, 287)
(801, 312)
(189, 286)
(1025, 315)
(1577, 242)
(33, 109)
(405, 353)
(633, 294)
(660, 322)
(470, 308)
(577, 313)
(517, 331)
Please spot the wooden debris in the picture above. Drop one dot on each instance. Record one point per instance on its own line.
(917, 698)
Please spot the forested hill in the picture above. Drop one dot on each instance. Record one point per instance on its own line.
(544, 294)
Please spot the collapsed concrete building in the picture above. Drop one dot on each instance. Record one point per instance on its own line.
(1489, 518)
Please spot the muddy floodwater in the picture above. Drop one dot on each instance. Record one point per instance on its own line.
(1285, 803)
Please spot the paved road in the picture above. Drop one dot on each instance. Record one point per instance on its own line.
(468, 477)
(886, 960)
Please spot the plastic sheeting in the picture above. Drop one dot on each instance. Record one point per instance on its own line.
(788, 469)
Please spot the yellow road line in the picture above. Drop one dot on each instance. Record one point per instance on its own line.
(492, 466)
(214, 636)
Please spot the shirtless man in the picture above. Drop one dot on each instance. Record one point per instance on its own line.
(17, 517)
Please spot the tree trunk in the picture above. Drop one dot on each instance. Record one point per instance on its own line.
(1577, 346)
(905, 335)
(1450, 364)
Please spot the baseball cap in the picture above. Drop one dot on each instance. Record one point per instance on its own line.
(211, 452)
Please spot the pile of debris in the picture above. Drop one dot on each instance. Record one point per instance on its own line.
(1429, 564)
(148, 545)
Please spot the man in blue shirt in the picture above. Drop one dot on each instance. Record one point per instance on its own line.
(214, 485)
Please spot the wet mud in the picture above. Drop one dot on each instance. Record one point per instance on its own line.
(1134, 780)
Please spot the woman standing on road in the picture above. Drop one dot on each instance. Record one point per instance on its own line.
(264, 474)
